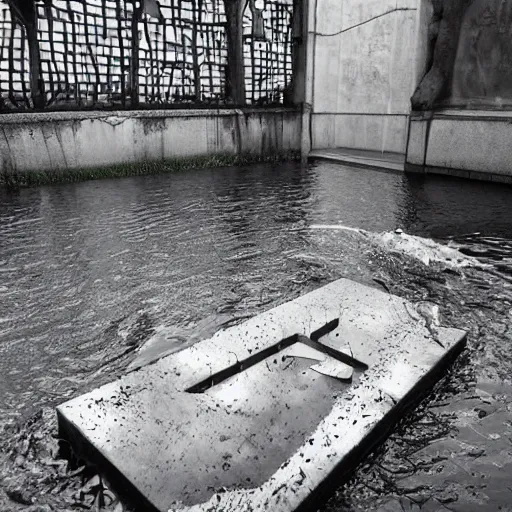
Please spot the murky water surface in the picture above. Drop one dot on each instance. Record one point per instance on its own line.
(90, 271)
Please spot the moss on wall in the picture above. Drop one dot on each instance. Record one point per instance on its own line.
(16, 179)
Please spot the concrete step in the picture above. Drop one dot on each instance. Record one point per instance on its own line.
(362, 158)
(260, 416)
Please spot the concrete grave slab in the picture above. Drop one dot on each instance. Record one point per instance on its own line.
(259, 416)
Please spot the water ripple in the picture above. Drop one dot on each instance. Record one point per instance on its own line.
(90, 271)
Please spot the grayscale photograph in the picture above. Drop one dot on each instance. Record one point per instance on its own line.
(255, 255)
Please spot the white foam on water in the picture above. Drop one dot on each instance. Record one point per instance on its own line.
(423, 249)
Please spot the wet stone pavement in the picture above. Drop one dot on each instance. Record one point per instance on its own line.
(453, 452)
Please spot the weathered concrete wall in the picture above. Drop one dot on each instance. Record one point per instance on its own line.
(69, 140)
(472, 64)
(365, 70)
(471, 69)
(469, 144)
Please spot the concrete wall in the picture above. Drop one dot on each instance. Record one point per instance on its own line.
(468, 132)
(468, 144)
(67, 140)
(367, 63)
(482, 74)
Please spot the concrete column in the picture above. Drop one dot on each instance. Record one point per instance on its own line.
(309, 23)
(298, 51)
(234, 34)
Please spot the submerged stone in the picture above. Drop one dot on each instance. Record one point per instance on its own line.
(259, 416)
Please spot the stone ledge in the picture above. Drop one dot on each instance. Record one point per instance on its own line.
(458, 173)
(469, 144)
(375, 160)
(77, 115)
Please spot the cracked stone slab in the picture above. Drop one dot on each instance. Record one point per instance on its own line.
(244, 421)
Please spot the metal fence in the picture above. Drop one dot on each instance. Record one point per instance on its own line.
(124, 53)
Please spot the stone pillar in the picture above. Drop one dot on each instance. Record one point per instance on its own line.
(235, 79)
(309, 28)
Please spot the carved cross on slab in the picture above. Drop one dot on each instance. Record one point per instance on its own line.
(297, 345)
(251, 418)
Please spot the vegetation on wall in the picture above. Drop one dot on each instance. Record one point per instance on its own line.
(17, 179)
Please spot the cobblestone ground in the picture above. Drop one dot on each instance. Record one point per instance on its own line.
(453, 452)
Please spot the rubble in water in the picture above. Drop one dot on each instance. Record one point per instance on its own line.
(36, 476)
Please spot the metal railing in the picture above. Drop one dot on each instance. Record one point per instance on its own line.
(128, 54)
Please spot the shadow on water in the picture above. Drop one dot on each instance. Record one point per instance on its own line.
(90, 272)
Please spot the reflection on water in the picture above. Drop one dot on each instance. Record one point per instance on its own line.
(89, 271)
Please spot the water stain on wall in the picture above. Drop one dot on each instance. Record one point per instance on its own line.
(483, 66)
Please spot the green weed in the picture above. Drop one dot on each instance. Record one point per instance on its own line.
(17, 179)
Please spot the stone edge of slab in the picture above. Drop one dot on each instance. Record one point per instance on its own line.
(295, 488)
(251, 499)
(293, 492)
(361, 163)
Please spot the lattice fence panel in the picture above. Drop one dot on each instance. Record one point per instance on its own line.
(268, 62)
(183, 59)
(84, 51)
(14, 70)
(87, 48)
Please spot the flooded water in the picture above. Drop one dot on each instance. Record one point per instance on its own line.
(89, 272)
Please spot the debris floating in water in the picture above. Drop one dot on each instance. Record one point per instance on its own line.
(423, 249)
